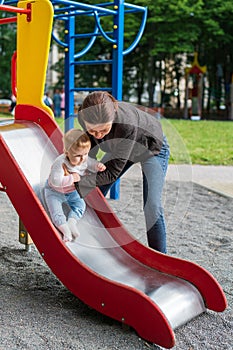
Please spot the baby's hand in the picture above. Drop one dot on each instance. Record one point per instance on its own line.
(100, 167)
(76, 177)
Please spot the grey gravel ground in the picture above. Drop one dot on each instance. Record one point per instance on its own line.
(38, 313)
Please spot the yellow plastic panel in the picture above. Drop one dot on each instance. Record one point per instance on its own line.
(33, 43)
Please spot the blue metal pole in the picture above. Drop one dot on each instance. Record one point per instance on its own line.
(69, 72)
(117, 69)
(117, 53)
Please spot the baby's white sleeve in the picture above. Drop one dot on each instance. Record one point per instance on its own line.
(92, 164)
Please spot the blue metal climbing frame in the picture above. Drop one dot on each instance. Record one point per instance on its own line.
(67, 11)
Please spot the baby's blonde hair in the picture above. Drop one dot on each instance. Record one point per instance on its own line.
(76, 138)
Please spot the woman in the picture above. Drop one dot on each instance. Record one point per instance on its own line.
(127, 135)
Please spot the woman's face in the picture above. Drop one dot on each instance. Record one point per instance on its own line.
(98, 130)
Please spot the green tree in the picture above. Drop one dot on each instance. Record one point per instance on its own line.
(165, 37)
(215, 46)
(174, 29)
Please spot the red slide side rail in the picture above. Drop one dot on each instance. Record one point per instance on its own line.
(207, 285)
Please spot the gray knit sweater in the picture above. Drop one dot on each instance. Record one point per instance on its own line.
(135, 135)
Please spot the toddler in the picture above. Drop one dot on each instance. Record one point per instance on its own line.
(67, 169)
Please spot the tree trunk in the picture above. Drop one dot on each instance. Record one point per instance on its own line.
(151, 80)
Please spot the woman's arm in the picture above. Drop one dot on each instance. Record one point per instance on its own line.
(119, 151)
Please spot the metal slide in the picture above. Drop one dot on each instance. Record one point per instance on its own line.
(105, 267)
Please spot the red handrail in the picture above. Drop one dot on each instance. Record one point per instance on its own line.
(15, 9)
(8, 20)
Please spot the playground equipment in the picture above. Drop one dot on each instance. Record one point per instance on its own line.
(105, 267)
(115, 11)
(196, 73)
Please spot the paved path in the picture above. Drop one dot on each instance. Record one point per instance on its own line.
(216, 178)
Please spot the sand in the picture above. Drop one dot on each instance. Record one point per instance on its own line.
(38, 313)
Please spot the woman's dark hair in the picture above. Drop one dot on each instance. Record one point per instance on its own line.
(98, 107)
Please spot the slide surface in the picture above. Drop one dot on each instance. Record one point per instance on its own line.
(105, 267)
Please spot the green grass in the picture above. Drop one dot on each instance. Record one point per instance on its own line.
(61, 123)
(200, 142)
(197, 142)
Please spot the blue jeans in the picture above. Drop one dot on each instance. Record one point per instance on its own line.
(55, 201)
(154, 171)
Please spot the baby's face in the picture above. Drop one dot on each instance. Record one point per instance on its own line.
(77, 155)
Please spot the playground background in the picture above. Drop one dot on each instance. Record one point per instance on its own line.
(155, 72)
(63, 332)
(38, 328)
(39, 313)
